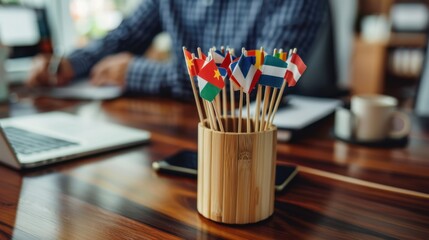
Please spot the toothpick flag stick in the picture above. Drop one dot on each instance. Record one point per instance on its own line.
(232, 96)
(270, 109)
(209, 118)
(243, 51)
(279, 97)
(232, 100)
(231, 93)
(224, 103)
(248, 112)
(210, 106)
(272, 101)
(200, 53)
(240, 107)
(218, 119)
(217, 102)
(217, 99)
(206, 110)
(264, 108)
(266, 100)
(194, 90)
(258, 107)
(258, 102)
(224, 98)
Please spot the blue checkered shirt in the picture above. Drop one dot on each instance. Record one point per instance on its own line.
(204, 23)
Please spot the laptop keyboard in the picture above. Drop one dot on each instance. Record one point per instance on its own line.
(26, 142)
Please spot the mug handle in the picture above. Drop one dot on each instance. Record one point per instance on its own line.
(395, 134)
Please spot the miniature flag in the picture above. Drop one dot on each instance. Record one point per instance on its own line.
(273, 72)
(210, 73)
(203, 56)
(230, 69)
(282, 56)
(210, 80)
(223, 73)
(246, 74)
(218, 57)
(198, 65)
(296, 67)
(208, 91)
(190, 63)
(226, 61)
(258, 55)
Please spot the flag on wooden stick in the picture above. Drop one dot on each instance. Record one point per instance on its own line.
(296, 67)
(210, 80)
(259, 57)
(273, 72)
(218, 57)
(229, 70)
(246, 74)
(190, 63)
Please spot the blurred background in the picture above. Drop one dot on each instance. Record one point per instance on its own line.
(379, 45)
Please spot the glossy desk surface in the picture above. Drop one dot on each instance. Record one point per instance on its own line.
(342, 191)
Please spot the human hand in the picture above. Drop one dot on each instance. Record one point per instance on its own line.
(111, 70)
(40, 76)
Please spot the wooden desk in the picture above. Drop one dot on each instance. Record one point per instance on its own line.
(342, 191)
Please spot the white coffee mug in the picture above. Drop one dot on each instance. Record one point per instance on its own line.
(371, 119)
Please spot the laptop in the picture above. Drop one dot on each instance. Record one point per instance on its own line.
(41, 139)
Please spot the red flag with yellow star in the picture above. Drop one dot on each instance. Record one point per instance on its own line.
(211, 74)
(190, 63)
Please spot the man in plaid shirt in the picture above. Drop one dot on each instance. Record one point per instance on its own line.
(117, 58)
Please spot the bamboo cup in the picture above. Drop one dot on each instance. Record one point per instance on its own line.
(236, 173)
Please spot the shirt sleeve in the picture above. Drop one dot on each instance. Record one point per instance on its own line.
(293, 23)
(124, 38)
(149, 77)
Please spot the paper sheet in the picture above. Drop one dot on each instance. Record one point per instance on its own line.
(301, 111)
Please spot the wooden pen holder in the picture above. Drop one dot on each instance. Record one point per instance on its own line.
(236, 173)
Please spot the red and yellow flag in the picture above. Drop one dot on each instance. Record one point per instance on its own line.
(190, 63)
(258, 55)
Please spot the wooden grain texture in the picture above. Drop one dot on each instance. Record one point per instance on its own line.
(216, 175)
(207, 166)
(117, 195)
(244, 167)
(230, 171)
(273, 138)
(200, 151)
